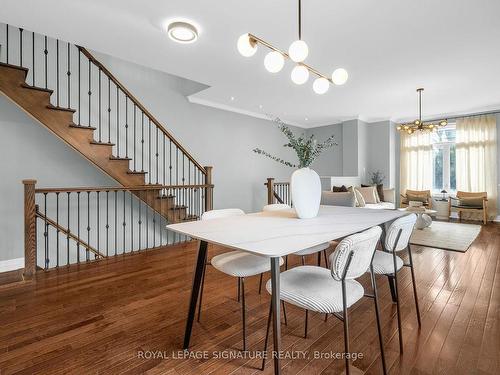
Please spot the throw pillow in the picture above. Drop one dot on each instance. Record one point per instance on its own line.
(360, 200)
(339, 189)
(380, 192)
(346, 199)
(416, 197)
(369, 194)
(471, 202)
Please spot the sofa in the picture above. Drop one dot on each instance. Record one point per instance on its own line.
(328, 197)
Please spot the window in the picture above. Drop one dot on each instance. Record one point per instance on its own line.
(444, 159)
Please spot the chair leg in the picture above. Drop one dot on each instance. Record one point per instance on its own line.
(326, 258)
(260, 283)
(400, 333)
(239, 288)
(326, 317)
(267, 336)
(243, 313)
(377, 313)
(286, 262)
(414, 285)
(305, 325)
(346, 329)
(390, 279)
(201, 291)
(284, 312)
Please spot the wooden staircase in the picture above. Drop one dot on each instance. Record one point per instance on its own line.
(36, 101)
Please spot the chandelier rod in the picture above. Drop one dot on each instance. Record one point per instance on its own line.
(255, 39)
(300, 20)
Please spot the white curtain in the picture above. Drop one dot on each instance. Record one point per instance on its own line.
(416, 161)
(477, 157)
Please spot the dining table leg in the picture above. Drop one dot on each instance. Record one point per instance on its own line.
(195, 291)
(275, 301)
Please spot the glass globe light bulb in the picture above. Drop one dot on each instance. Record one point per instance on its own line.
(321, 85)
(274, 62)
(298, 51)
(340, 76)
(300, 75)
(245, 47)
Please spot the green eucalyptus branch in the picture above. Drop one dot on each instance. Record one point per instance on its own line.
(275, 158)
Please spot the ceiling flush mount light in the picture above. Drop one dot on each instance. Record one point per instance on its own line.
(182, 32)
(419, 124)
(297, 52)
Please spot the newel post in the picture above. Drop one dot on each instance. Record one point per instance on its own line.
(29, 229)
(209, 204)
(270, 190)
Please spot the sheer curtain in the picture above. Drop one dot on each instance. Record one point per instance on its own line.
(477, 157)
(416, 161)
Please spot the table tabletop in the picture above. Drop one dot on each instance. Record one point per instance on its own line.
(416, 211)
(279, 233)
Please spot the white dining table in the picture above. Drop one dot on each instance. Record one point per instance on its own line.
(274, 234)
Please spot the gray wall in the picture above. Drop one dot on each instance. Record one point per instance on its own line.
(380, 150)
(330, 162)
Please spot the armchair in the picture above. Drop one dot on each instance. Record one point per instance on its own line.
(469, 202)
(423, 196)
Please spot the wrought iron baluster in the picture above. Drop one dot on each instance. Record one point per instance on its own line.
(78, 226)
(21, 46)
(7, 41)
(46, 52)
(170, 162)
(57, 229)
(157, 155)
(69, 230)
(98, 214)
(107, 223)
(124, 222)
(33, 57)
(135, 136)
(79, 86)
(99, 122)
(149, 150)
(109, 110)
(90, 92)
(57, 72)
(142, 143)
(117, 121)
(126, 126)
(87, 254)
(68, 74)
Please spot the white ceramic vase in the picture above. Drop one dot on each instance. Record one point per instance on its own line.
(305, 188)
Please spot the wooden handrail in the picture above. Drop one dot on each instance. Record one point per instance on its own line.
(140, 106)
(120, 188)
(68, 233)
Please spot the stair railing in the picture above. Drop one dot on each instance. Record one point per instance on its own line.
(65, 226)
(278, 192)
(82, 83)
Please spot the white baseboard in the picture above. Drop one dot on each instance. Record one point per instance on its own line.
(11, 264)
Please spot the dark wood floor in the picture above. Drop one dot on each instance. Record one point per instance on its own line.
(100, 318)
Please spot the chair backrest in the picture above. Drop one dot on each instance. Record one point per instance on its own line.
(362, 246)
(217, 214)
(405, 224)
(275, 207)
(426, 193)
(466, 194)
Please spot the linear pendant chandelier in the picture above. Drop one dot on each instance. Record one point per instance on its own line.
(418, 124)
(297, 52)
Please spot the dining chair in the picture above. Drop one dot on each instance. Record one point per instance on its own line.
(386, 262)
(335, 290)
(238, 264)
(319, 249)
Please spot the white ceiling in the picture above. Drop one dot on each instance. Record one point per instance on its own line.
(389, 47)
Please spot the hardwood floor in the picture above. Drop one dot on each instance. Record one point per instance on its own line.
(125, 315)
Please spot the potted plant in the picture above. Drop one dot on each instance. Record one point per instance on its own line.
(305, 185)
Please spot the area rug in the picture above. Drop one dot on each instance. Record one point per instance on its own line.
(447, 236)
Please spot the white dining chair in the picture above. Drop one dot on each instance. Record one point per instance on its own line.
(397, 239)
(238, 264)
(334, 290)
(322, 248)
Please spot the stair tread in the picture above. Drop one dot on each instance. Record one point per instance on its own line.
(82, 127)
(101, 143)
(50, 106)
(26, 86)
(119, 158)
(14, 66)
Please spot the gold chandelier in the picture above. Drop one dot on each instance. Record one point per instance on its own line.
(419, 125)
(297, 53)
